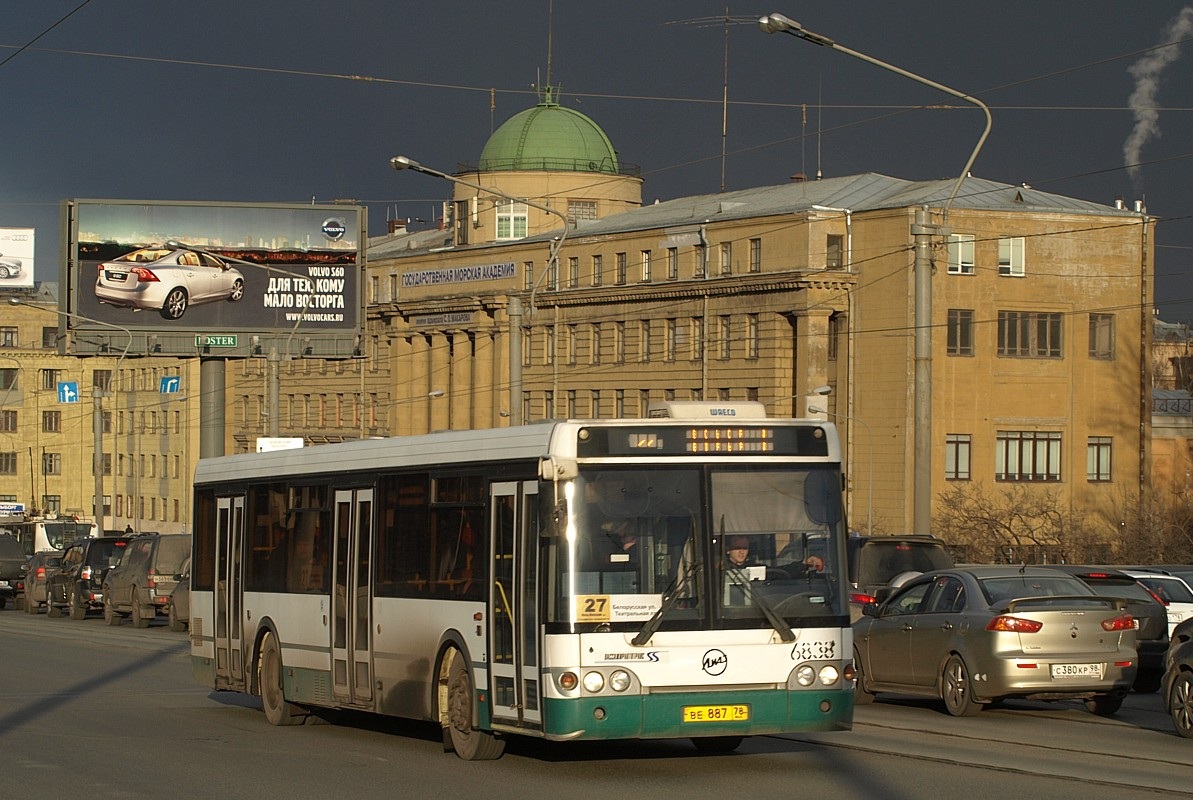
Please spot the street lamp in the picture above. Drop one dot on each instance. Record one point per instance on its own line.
(97, 398)
(515, 404)
(921, 231)
(870, 470)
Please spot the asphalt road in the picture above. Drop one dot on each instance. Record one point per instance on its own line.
(89, 711)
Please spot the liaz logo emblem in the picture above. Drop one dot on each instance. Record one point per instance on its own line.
(334, 229)
(714, 662)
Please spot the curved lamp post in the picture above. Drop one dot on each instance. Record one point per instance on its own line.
(921, 232)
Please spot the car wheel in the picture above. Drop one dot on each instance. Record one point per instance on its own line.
(861, 695)
(176, 303)
(52, 610)
(1180, 704)
(1147, 682)
(30, 606)
(176, 624)
(4, 273)
(273, 697)
(3, 602)
(956, 689)
(110, 615)
(137, 614)
(237, 291)
(1104, 705)
(77, 609)
(469, 743)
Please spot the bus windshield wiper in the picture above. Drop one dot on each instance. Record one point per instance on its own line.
(669, 601)
(772, 616)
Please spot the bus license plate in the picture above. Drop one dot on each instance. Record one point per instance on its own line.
(1077, 671)
(737, 713)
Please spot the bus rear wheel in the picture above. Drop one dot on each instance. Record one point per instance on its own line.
(469, 743)
(273, 699)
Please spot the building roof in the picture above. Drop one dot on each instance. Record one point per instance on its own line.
(549, 137)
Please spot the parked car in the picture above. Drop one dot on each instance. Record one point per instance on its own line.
(9, 267)
(875, 561)
(12, 568)
(77, 584)
(140, 584)
(41, 566)
(1170, 590)
(1151, 629)
(168, 279)
(1178, 689)
(975, 635)
(178, 607)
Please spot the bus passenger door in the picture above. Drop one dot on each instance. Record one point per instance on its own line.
(229, 662)
(513, 609)
(351, 609)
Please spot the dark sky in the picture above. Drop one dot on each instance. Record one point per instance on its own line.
(293, 101)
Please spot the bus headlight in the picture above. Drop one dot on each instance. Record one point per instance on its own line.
(619, 681)
(805, 675)
(594, 681)
(829, 675)
(567, 681)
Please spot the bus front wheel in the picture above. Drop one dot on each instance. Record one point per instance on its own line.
(273, 699)
(469, 743)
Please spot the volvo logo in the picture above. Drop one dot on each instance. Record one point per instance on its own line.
(334, 229)
(714, 662)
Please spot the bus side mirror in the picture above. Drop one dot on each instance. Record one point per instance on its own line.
(558, 469)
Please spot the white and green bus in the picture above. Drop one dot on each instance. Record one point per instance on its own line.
(567, 580)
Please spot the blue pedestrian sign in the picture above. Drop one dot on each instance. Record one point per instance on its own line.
(68, 391)
(171, 384)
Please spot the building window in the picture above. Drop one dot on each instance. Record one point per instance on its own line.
(834, 336)
(8, 377)
(643, 402)
(597, 267)
(107, 463)
(548, 405)
(594, 355)
(8, 463)
(621, 269)
(51, 421)
(960, 332)
(644, 340)
(101, 378)
(570, 342)
(374, 289)
(51, 463)
(1027, 456)
(1010, 256)
(49, 379)
(956, 456)
(1101, 336)
(571, 404)
(8, 336)
(701, 268)
(697, 337)
(619, 342)
(723, 337)
(726, 258)
(8, 420)
(752, 336)
(670, 343)
(528, 275)
(511, 220)
(582, 209)
(834, 251)
(463, 219)
(961, 253)
(51, 503)
(595, 408)
(49, 338)
(619, 403)
(573, 272)
(755, 255)
(646, 266)
(1029, 334)
(672, 263)
(393, 288)
(1097, 459)
(549, 345)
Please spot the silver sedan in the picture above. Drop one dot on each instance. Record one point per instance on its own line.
(976, 635)
(167, 280)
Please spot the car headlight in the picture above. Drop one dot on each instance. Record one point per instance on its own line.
(594, 681)
(619, 681)
(805, 675)
(829, 675)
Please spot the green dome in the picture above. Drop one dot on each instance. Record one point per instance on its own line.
(549, 137)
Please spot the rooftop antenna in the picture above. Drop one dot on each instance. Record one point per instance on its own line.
(725, 101)
(550, 26)
(819, 118)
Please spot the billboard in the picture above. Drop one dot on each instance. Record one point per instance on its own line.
(213, 279)
(16, 258)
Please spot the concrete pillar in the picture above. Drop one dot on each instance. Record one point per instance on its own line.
(460, 394)
(484, 410)
(439, 379)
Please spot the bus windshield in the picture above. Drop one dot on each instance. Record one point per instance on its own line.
(642, 549)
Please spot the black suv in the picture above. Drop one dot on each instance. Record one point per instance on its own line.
(140, 584)
(12, 568)
(876, 560)
(1151, 631)
(78, 583)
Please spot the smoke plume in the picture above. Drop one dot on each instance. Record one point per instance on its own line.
(1142, 101)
